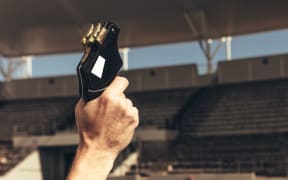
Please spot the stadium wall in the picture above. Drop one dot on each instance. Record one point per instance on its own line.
(228, 176)
(140, 80)
(39, 88)
(150, 79)
(253, 69)
(162, 78)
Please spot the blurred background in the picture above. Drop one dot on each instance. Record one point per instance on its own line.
(209, 78)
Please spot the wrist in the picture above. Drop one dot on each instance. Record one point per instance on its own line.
(87, 151)
(92, 143)
(91, 163)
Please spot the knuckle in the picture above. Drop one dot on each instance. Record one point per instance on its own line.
(134, 116)
(136, 122)
(123, 79)
(136, 111)
(106, 98)
(102, 100)
(123, 106)
(129, 102)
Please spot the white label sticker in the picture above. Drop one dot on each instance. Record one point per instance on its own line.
(98, 67)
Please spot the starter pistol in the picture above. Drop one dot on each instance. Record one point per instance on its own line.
(101, 60)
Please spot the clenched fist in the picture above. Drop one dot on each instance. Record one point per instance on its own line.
(106, 126)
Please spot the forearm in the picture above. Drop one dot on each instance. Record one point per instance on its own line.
(91, 164)
(106, 126)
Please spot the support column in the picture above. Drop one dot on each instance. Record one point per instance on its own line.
(205, 46)
(228, 40)
(22, 66)
(197, 23)
(209, 56)
(125, 56)
(27, 66)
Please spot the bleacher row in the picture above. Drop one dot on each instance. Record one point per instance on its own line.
(246, 108)
(228, 126)
(158, 108)
(262, 154)
(35, 116)
(47, 116)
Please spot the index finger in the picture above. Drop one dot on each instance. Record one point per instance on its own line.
(118, 85)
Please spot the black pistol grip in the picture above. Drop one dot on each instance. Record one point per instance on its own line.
(100, 63)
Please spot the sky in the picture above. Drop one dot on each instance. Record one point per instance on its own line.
(260, 44)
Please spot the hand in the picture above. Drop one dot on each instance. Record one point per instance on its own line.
(108, 122)
(106, 126)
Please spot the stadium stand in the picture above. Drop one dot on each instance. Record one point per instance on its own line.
(233, 109)
(262, 154)
(224, 124)
(36, 116)
(227, 128)
(157, 108)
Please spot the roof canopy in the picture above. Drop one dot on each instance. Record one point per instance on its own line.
(30, 27)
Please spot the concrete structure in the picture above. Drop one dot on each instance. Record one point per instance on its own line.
(150, 79)
(148, 84)
(253, 69)
(244, 176)
(161, 78)
(65, 86)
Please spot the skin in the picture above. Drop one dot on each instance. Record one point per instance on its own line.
(106, 126)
